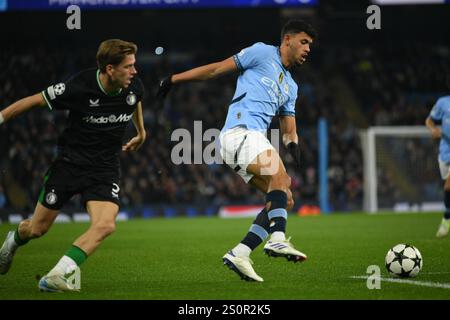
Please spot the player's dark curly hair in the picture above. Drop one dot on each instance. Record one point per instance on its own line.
(297, 26)
(113, 51)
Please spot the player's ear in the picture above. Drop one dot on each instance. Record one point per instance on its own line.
(109, 69)
(287, 39)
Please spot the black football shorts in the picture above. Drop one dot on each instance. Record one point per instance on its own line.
(63, 180)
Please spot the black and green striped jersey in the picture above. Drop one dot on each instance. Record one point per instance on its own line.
(96, 122)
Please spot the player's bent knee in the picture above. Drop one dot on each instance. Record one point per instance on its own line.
(105, 229)
(25, 226)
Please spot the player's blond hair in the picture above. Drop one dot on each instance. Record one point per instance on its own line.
(113, 51)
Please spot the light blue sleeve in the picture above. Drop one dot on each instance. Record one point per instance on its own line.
(437, 113)
(251, 56)
(288, 109)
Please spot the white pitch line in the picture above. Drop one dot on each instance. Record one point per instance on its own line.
(414, 282)
(435, 273)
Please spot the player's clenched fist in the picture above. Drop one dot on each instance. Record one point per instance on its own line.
(164, 87)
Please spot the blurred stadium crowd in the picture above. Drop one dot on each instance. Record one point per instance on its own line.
(392, 84)
(149, 176)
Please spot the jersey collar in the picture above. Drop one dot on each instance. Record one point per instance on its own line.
(103, 89)
(281, 61)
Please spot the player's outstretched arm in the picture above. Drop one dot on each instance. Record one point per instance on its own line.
(206, 72)
(290, 138)
(22, 106)
(435, 130)
(138, 121)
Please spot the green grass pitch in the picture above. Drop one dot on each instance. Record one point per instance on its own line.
(181, 258)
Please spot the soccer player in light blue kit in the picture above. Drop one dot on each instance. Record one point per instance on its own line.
(265, 88)
(440, 114)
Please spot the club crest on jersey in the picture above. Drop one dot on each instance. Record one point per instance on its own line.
(51, 197)
(280, 77)
(286, 88)
(131, 99)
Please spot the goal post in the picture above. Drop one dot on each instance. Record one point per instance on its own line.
(400, 168)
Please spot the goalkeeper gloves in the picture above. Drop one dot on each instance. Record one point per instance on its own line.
(294, 150)
(164, 87)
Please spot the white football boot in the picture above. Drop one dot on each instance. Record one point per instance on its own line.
(284, 248)
(242, 265)
(7, 252)
(443, 229)
(60, 283)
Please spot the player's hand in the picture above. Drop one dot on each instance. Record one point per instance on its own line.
(436, 133)
(164, 87)
(294, 150)
(134, 144)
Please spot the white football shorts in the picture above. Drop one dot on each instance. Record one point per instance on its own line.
(445, 169)
(239, 147)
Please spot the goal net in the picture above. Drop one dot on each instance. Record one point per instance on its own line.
(401, 171)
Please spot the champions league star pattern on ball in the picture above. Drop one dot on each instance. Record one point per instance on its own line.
(404, 260)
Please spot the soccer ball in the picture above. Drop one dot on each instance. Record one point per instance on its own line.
(404, 261)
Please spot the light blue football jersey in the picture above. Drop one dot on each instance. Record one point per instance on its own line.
(264, 89)
(441, 113)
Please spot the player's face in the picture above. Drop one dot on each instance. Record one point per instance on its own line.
(122, 74)
(299, 45)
